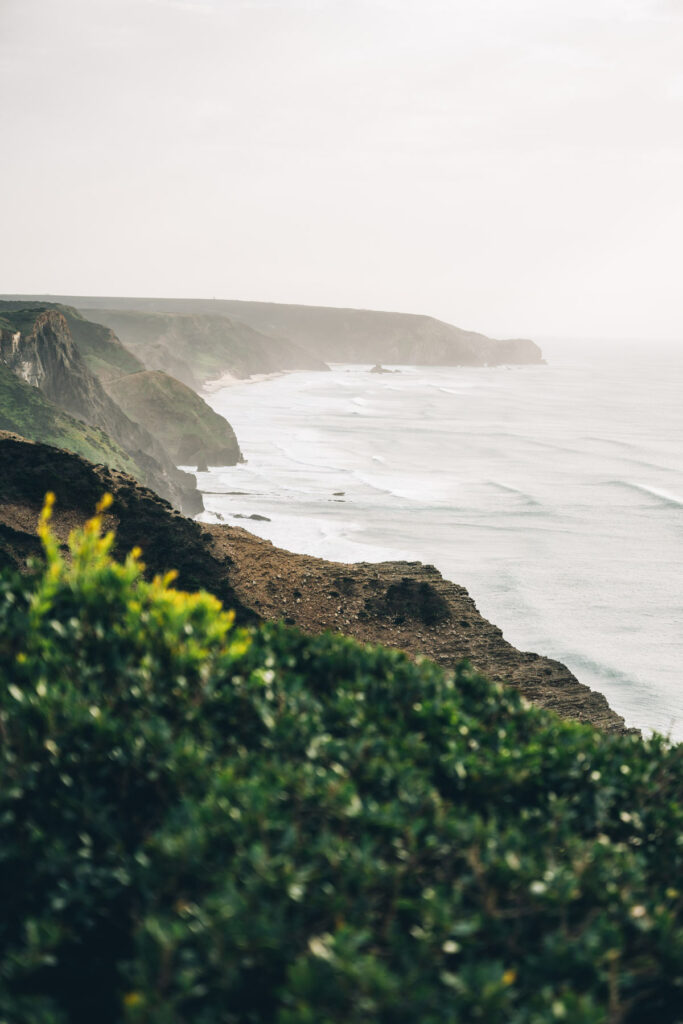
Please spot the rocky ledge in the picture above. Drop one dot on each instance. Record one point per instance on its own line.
(400, 604)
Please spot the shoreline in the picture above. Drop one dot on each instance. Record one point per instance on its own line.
(227, 380)
(495, 525)
(405, 605)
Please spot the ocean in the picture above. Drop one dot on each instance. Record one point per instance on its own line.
(553, 493)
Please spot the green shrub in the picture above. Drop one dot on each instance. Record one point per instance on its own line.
(200, 824)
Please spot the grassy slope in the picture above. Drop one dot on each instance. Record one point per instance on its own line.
(20, 319)
(77, 386)
(191, 432)
(24, 410)
(171, 410)
(106, 357)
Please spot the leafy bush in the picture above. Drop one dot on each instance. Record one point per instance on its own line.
(200, 824)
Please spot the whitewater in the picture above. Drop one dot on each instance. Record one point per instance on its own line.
(553, 493)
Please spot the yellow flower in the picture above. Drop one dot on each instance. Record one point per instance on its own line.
(509, 977)
(48, 506)
(132, 999)
(105, 502)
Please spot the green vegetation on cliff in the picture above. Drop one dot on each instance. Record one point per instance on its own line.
(191, 430)
(25, 410)
(104, 354)
(203, 824)
(37, 345)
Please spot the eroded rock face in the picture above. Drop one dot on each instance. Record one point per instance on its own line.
(405, 605)
(44, 355)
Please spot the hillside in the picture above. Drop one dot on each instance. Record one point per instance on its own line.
(200, 823)
(360, 336)
(168, 410)
(404, 605)
(37, 345)
(193, 433)
(326, 333)
(198, 348)
(25, 410)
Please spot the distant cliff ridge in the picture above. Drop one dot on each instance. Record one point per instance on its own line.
(196, 348)
(358, 336)
(326, 334)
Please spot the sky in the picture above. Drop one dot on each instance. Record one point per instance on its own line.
(511, 166)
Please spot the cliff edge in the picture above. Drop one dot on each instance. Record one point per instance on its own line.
(405, 605)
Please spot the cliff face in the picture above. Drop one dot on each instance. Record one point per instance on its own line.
(103, 353)
(38, 347)
(25, 410)
(189, 430)
(44, 356)
(401, 604)
(193, 433)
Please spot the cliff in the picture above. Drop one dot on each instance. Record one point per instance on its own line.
(189, 431)
(193, 433)
(197, 348)
(25, 410)
(360, 336)
(103, 353)
(329, 334)
(400, 604)
(38, 347)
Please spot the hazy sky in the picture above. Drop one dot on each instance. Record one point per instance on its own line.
(514, 166)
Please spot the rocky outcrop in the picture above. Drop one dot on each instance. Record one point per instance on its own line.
(400, 604)
(406, 605)
(38, 347)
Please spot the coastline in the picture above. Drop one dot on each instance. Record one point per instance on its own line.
(502, 487)
(227, 380)
(404, 605)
